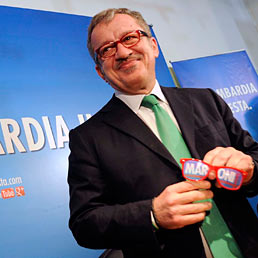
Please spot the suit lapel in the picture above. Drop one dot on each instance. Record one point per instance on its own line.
(182, 107)
(120, 116)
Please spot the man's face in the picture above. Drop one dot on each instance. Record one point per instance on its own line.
(130, 70)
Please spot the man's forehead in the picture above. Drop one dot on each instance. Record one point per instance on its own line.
(122, 18)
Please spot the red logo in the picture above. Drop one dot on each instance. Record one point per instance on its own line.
(7, 193)
(19, 191)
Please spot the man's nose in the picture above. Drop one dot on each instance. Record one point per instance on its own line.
(122, 51)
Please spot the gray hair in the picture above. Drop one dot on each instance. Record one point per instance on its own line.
(107, 16)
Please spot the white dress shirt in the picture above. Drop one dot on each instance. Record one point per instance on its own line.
(144, 113)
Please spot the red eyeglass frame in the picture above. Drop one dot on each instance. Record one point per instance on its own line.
(215, 168)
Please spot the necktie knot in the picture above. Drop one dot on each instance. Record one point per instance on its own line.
(149, 101)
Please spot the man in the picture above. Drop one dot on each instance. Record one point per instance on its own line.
(127, 191)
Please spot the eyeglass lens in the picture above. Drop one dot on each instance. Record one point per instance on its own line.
(229, 178)
(127, 41)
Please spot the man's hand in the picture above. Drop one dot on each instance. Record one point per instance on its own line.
(230, 157)
(174, 207)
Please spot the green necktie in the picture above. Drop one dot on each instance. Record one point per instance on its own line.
(216, 231)
(168, 132)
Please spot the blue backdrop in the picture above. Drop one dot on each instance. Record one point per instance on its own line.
(48, 85)
(234, 78)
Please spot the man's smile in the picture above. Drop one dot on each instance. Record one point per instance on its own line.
(128, 63)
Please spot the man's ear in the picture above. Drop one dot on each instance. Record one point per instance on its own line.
(155, 47)
(100, 72)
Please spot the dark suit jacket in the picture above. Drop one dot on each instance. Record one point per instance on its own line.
(117, 165)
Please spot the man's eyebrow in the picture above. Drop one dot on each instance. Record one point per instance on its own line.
(109, 41)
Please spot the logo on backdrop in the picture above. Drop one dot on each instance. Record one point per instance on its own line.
(37, 133)
(239, 105)
(10, 192)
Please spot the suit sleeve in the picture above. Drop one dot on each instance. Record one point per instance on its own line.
(95, 222)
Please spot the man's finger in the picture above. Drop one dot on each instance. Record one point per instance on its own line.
(194, 196)
(187, 186)
(194, 208)
(187, 220)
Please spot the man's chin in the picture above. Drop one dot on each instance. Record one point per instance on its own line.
(136, 87)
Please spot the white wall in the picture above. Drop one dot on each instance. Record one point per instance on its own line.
(185, 28)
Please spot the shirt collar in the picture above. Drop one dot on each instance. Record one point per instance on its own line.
(134, 101)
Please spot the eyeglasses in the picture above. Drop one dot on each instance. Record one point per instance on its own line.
(227, 177)
(128, 40)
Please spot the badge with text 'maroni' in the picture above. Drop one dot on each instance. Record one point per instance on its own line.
(227, 177)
